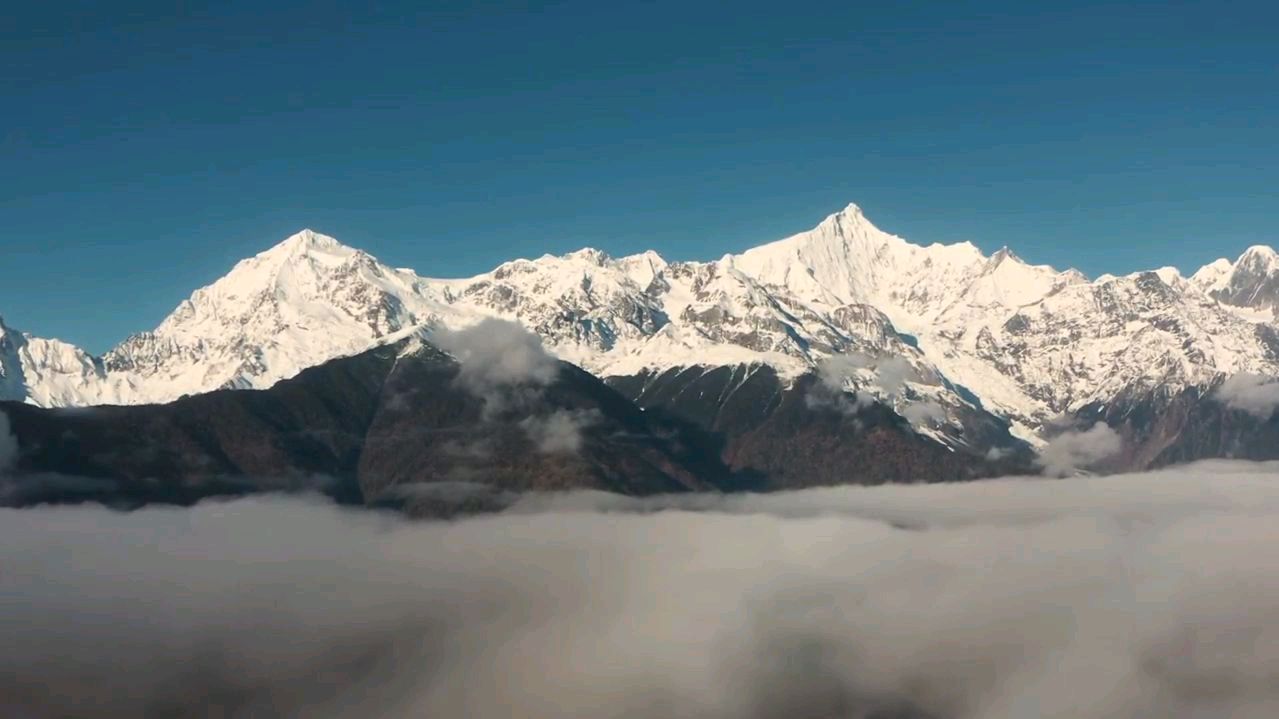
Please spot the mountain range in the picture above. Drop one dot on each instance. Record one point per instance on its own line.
(984, 356)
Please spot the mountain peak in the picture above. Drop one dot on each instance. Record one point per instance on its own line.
(851, 215)
(786, 303)
(304, 247)
(1218, 265)
(307, 239)
(1003, 254)
(1170, 276)
(589, 255)
(1251, 281)
(1211, 276)
(1258, 254)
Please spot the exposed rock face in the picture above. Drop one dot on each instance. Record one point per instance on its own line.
(1163, 427)
(373, 427)
(802, 434)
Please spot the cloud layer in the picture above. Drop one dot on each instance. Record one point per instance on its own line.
(1139, 595)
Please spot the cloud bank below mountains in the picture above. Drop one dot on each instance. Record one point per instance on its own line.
(1136, 595)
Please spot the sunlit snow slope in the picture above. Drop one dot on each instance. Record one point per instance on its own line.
(1023, 341)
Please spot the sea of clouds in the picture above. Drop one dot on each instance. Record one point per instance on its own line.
(1143, 595)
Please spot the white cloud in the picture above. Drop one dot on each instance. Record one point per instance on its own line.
(1251, 393)
(822, 397)
(499, 361)
(1099, 597)
(560, 431)
(478, 449)
(835, 371)
(507, 366)
(891, 374)
(887, 375)
(1072, 450)
(926, 412)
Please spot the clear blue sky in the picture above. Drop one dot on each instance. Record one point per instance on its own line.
(143, 150)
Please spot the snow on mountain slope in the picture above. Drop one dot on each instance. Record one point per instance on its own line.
(1092, 342)
(847, 259)
(617, 316)
(1251, 282)
(303, 302)
(1212, 276)
(47, 372)
(636, 314)
(1027, 341)
(1030, 341)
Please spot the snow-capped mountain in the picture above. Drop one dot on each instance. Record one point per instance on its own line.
(1029, 341)
(302, 302)
(973, 333)
(1251, 282)
(47, 372)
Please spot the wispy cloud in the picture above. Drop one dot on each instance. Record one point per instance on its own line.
(507, 367)
(849, 383)
(1255, 394)
(994, 454)
(1074, 450)
(926, 412)
(498, 361)
(560, 431)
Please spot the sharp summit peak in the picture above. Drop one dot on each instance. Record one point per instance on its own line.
(308, 238)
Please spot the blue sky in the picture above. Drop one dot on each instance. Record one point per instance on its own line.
(145, 149)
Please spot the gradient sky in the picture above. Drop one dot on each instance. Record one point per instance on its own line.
(144, 150)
